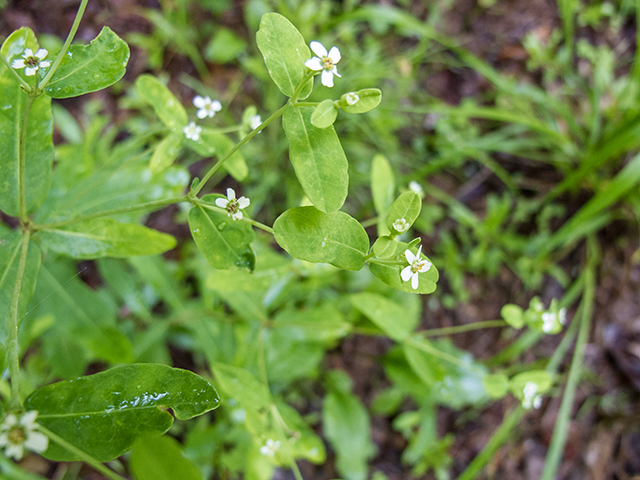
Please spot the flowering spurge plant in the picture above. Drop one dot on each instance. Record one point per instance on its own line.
(18, 433)
(549, 321)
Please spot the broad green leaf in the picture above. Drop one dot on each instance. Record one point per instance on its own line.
(242, 386)
(224, 242)
(368, 99)
(428, 368)
(324, 114)
(88, 68)
(284, 51)
(289, 358)
(383, 184)
(10, 250)
(390, 317)
(324, 324)
(104, 237)
(308, 445)
(513, 315)
(166, 152)
(407, 206)
(166, 105)
(39, 145)
(160, 458)
(336, 238)
(102, 414)
(384, 247)
(318, 159)
(497, 385)
(391, 275)
(214, 143)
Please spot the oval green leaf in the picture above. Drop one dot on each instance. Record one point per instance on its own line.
(160, 458)
(88, 68)
(284, 51)
(39, 148)
(384, 247)
(318, 159)
(407, 206)
(391, 275)
(166, 105)
(224, 242)
(368, 99)
(324, 114)
(102, 414)
(391, 318)
(242, 386)
(214, 143)
(336, 238)
(166, 152)
(104, 237)
(383, 184)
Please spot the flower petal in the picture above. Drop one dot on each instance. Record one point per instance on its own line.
(44, 64)
(327, 78)
(37, 442)
(318, 49)
(19, 63)
(4, 439)
(222, 202)
(314, 63)
(215, 106)
(30, 71)
(27, 53)
(334, 70)
(237, 216)
(406, 273)
(202, 113)
(9, 421)
(414, 281)
(424, 266)
(231, 194)
(41, 53)
(29, 419)
(14, 451)
(334, 54)
(410, 256)
(199, 101)
(243, 202)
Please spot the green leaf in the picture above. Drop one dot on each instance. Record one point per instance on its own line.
(407, 206)
(384, 247)
(541, 378)
(383, 184)
(166, 105)
(224, 242)
(242, 386)
(324, 324)
(336, 238)
(166, 152)
(39, 146)
(497, 385)
(104, 237)
(284, 51)
(214, 143)
(368, 99)
(160, 458)
(318, 159)
(102, 414)
(427, 367)
(391, 274)
(513, 315)
(88, 68)
(391, 318)
(324, 114)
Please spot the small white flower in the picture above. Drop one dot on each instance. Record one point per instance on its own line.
(325, 62)
(17, 434)
(30, 62)
(351, 98)
(562, 315)
(415, 187)
(206, 106)
(401, 225)
(549, 320)
(270, 447)
(232, 205)
(255, 121)
(416, 266)
(192, 131)
(530, 398)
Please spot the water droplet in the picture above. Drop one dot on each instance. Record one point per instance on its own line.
(95, 75)
(6, 107)
(196, 231)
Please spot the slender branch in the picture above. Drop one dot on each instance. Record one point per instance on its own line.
(115, 211)
(14, 347)
(72, 33)
(306, 104)
(23, 83)
(428, 348)
(22, 158)
(436, 332)
(81, 454)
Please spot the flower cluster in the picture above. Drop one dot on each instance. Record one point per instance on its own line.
(233, 205)
(270, 447)
(31, 62)
(325, 62)
(18, 433)
(530, 397)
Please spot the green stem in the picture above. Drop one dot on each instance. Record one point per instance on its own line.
(115, 211)
(369, 222)
(306, 104)
(390, 263)
(435, 332)
(81, 454)
(22, 189)
(281, 426)
(14, 347)
(561, 429)
(428, 348)
(27, 88)
(636, 60)
(72, 33)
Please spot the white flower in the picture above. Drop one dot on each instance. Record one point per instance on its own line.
(416, 266)
(192, 131)
(232, 205)
(530, 399)
(325, 62)
(562, 314)
(401, 225)
(255, 121)
(270, 447)
(30, 62)
(351, 98)
(549, 320)
(415, 187)
(17, 434)
(206, 106)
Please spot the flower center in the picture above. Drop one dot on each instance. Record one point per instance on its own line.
(232, 206)
(327, 63)
(417, 266)
(17, 436)
(31, 61)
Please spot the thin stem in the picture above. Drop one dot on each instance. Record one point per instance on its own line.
(72, 33)
(22, 189)
(255, 223)
(305, 78)
(23, 83)
(435, 332)
(306, 104)
(281, 426)
(81, 454)
(237, 146)
(390, 263)
(115, 211)
(14, 347)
